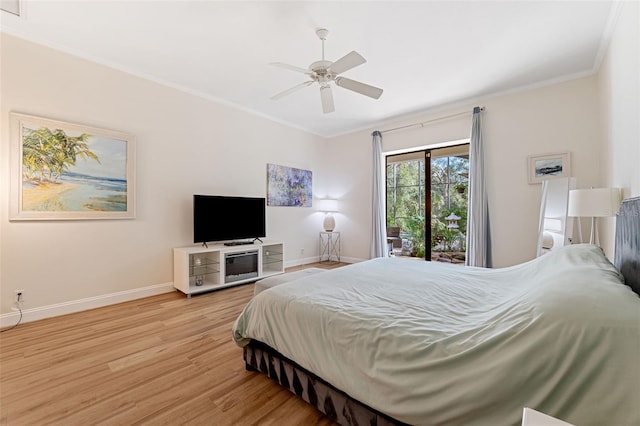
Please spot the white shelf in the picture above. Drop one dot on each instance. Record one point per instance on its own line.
(198, 269)
(272, 259)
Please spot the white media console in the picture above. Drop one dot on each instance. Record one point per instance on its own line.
(197, 269)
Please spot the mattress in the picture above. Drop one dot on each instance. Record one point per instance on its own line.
(429, 343)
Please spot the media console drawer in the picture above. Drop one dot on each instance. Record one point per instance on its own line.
(197, 269)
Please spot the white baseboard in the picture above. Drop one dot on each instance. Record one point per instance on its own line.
(72, 306)
(298, 262)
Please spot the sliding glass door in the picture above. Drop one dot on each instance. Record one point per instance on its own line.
(428, 184)
(406, 203)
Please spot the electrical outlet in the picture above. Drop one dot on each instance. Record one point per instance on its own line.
(19, 296)
(301, 251)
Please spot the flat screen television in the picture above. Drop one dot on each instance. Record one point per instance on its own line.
(222, 218)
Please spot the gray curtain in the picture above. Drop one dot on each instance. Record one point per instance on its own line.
(379, 229)
(478, 230)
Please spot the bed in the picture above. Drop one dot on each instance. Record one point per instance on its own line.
(390, 341)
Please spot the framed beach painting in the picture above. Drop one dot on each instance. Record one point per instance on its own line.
(288, 186)
(65, 171)
(549, 166)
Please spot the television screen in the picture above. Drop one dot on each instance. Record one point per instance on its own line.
(221, 218)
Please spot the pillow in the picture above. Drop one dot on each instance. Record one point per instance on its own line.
(551, 239)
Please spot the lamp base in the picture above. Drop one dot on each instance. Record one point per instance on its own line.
(329, 223)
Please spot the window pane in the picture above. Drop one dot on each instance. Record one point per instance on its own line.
(450, 176)
(407, 173)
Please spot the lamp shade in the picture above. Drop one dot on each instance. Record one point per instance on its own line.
(594, 202)
(327, 205)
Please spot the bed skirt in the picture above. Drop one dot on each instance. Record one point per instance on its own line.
(334, 403)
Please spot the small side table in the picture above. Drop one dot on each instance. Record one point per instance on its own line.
(329, 247)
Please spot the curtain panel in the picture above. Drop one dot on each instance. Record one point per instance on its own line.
(379, 228)
(478, 230)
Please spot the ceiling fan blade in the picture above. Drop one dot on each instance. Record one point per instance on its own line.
(348, 61)
(291, 90)
(356, 86)
(327, 99)
(291, 67)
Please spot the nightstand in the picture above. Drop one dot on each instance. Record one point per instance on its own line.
(329, 247)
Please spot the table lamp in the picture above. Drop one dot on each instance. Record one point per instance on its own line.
(594, 203)
(328, 206)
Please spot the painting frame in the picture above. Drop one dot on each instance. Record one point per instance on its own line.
(548, 166)
(289, 186)
(108, 189)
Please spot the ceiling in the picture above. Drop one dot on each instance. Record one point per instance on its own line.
(424, 55)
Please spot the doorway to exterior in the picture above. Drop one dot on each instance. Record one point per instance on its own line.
(429, 183)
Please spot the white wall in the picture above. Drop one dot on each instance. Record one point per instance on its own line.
(185, 145)
(556, 118)
(619, 91)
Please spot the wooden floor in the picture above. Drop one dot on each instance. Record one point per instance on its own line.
(162, 360)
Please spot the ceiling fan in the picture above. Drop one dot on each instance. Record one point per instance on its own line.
(324, 72)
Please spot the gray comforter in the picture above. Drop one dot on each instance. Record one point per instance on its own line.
(430, 343)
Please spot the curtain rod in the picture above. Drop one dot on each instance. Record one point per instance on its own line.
(422, 123)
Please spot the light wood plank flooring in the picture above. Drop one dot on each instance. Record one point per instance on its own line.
(162, 360)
